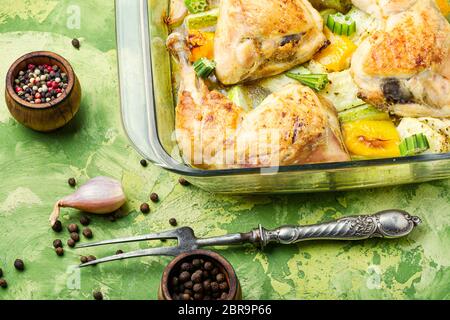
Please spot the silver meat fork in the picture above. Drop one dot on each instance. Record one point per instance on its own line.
(384, 224)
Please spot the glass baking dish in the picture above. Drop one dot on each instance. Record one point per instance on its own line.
(147, 105)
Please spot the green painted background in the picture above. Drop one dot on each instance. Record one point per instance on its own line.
(34, 168)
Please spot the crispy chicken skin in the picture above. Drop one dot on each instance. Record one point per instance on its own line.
(293, 126)
(406, 66)
(259, 38)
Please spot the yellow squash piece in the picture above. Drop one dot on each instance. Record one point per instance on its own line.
(371, 138)
(444, 5)
(201, 45)
(336, 57)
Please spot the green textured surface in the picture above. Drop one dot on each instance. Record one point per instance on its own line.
(35, 167)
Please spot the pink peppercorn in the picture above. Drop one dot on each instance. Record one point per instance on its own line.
(31, 66)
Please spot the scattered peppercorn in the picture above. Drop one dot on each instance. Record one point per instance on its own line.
(119, 252)
(72, 182)
(173, 222)
(183, 182)
(57, 243)
(154, 197)
(59, 251)
(85, 221)
(73, 228)
(76, 43)
(75, 236)
(98, 295)
(3, 283)
(144, 162)
(19, 265)
(71, 243)
(87, 232)
(40, 84)
(145, 208)
(57, 227)
(91, 258)
(84, 259)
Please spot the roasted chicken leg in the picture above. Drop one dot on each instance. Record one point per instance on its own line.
(293, 126)
(405, 67)
(259, 38)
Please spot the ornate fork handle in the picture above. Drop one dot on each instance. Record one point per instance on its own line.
(385, 224)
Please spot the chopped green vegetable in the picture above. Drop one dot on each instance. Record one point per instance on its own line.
(364, 112)
(239, 97)
(314, 81)
(204, 67)
(414, 144)
(341, 24)
(339, 5)
(202, 20)
(196, 6)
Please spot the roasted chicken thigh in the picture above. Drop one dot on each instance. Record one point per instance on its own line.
(405, 67)
(293, 126)
(259, 38)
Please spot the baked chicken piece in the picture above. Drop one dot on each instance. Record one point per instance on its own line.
(405, 67)
(293, 126)
(383, 8)
(260, 38)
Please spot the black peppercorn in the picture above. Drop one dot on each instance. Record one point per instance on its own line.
(223, 286)
(220, 277)
(143, 162)
(57, 227)
(76, 43)
(173, 222)
(207, 285)
(188, 284)
(205, 274)
(57, 243)
(189, 292)
(75, 236)
(83, 259)
(71, 243)
(85, 221)
(98, 295)
(91, 258)
(145, 208)
(59, 251)
(186, 266)
(198, 296)
(154, 197)
(19, 265)
(197, 276)
(208, 266)
(184, 276)
(196, 263)
(73, 228)
(185, 297)
(214, 286)
(3, 283)
(224, 296)
(198, 288)
(119, 252)
(215, 271)
(87, 232)
(72, 182)
(183, 182)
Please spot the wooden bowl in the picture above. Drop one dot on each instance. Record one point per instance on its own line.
(49, 116)
(165, 290)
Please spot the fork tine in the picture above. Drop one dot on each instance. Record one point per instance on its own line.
(161, 251)
(171, 234)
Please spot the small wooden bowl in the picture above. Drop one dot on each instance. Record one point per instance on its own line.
(235, 292)
(49, 116)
